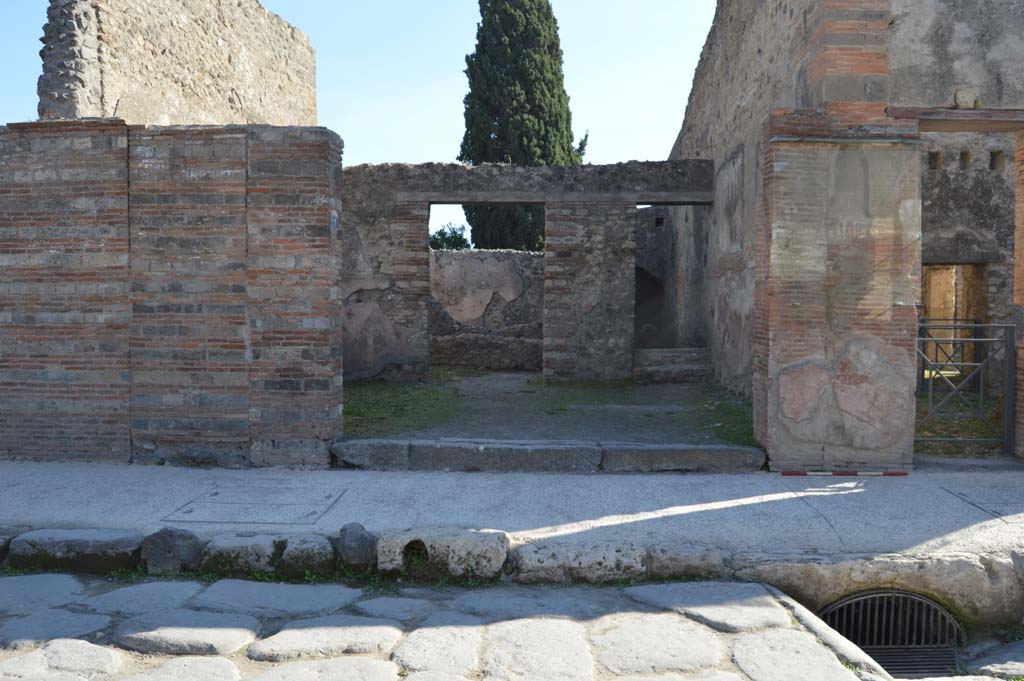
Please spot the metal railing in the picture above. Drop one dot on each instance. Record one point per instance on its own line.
(966, 370)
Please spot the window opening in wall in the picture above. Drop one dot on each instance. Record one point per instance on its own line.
(997, 161)
(965, 160)
(934, 160)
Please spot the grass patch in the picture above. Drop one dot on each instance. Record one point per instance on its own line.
(557, 397)
(730, 418)
(962, 424)
(380, 409)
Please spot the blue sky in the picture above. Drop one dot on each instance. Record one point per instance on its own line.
(391, 83)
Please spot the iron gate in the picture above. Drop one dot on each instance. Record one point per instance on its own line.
(966, 383)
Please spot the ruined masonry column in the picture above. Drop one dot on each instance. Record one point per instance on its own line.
(838, 279)
(589, 281)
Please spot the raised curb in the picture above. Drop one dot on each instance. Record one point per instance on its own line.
(980, 589)
(541, 456)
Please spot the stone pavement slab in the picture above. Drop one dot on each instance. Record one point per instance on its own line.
(26, 593)
(64, 656)
(188, 632)
(192, 669)
(724, 606)
(634, 643)
(401, 609)
(142, 598)
(354, 668)
(282, 600)
(537, 650)
(447, 642)
(46, 625)
(330, 636)
(1006, 662)
(787, 655)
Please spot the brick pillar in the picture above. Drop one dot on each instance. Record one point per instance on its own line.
(189, 339)
(589, 282)
(64, 308)
(838, 280)
(410, 265)
(294, 310)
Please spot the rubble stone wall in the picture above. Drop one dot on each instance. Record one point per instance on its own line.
(486, 309)
(171, 62)
(169, 294)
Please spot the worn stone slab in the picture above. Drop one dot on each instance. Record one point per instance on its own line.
(373, 455)
(80, 550)
(697, 676)
(497, 456)
(640, 643)
(459, 552)
(304, 555)
(446, 642)
(595, 563)
(6, 535)
(187, 632)
(242, 554)
(434, 676)
(505, 603)
(354, 668)
(787, 655)
(142, 598)
(726, 606)
(27, 593)
(79, 659)
(846, 650)
(641, 458)
(1006, 662)
(401, 609)
(537, 650)
(274, 600)
(329, 636)
(192, 669)
(172, 550)
(46, 625)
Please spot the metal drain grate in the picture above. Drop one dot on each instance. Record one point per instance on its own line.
(909, 635)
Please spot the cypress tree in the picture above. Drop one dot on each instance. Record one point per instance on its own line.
(517, 111)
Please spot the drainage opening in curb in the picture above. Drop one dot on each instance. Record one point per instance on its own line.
(909, 635)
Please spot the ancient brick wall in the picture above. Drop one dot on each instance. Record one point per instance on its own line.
(486, 309)
(170, 294)
(164, 62)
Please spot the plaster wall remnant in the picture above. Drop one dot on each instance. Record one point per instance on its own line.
(486, 309)
(169, 294)
(386, 274)
(175, 62)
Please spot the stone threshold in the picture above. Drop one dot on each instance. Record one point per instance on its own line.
(980, 589)
(544, 456)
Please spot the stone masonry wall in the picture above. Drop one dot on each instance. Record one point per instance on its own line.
(164, 62)
(169, 294)
(486, 309)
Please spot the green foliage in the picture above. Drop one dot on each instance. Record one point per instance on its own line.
(516, 111)
(378, 408)
(450, 238)
(730, 418)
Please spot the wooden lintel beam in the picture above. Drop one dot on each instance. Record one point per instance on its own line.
(962, 120)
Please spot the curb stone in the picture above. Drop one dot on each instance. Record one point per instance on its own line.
(86, 550)
(461, 553)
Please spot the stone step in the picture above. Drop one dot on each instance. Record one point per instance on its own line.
(674, 373)
(662, 356)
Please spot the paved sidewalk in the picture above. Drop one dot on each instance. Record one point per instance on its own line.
(936, 509)
(189, 631)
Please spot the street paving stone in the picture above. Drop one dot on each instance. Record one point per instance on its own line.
(192, 669)
(270, 600)
(787, 655)
(537, 650)
(328, 637)
(402, 609)
(188, 632)
(669, 632)
(446, 642)
(726, 606)
(142, 598)
(1006, 662)
(46, 625)
(26, 594)
(634, 643)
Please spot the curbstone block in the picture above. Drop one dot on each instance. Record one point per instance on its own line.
(356, 548)
(306, 555)
(7, 534)
(686, 563)
(171, 551)
(241, 555)
(639, 458)
(595, 563)
(375, 455)
(96, 551)
(497, 456)
(456, 552)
